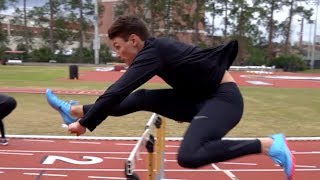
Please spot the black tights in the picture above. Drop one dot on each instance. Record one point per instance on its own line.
(7, 105)
(210, 120)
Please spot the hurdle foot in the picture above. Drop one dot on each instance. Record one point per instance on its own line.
(134, 176)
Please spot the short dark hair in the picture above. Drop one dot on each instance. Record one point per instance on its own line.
(124, 26)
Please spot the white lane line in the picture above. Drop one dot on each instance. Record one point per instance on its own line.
(305, 166)
(235, 163)
(172, 146)
(261, 83)
(145, 170)
(121, 158)
(306, 152)
(125, 144)
(132, 144)
(12, 153)
(228, 163)
(78, 142)
(227, 172)
(38, 140)
(104, 177)
(1, 172)
(78, 152)
(71, 152)
(300, 166)
(54, 175)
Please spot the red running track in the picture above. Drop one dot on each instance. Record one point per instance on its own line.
(49, 159)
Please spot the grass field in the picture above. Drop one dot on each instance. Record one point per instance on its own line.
(295, 112)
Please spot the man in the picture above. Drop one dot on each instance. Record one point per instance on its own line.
(203, 93)
(7, 105)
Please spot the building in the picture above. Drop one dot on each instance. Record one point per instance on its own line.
(109, 16)
(15, 33)
(105, 21)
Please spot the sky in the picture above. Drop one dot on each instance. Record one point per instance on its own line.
(30, 3)
(308, 33)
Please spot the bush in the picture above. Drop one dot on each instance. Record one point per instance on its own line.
(289, 62)
(257, 57)
(43, 54)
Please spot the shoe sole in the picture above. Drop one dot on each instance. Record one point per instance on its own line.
(293, 159)
(50, 102)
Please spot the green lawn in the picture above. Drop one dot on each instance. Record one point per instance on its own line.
(295, 112)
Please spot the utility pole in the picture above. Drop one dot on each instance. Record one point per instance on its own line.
(301, 33)
(317, 2)
(96, 41)
(309, 42)
(26, 31)
(168, 18)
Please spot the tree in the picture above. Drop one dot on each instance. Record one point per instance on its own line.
(214, 7)
(153, 13)
(196, 18)
(295, 9)
(3, 35)
(225, 8)
(266, 15)
(240, 13)
(79, 9)
(52, 22)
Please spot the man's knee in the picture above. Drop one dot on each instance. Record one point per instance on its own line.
(11, 103)
(187, 161)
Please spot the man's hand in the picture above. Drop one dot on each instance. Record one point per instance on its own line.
(76, 128)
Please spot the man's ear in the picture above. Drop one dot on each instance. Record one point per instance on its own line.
(134, 39)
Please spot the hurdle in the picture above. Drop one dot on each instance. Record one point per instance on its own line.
(155, 147)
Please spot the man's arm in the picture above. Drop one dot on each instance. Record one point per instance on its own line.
(144, 67)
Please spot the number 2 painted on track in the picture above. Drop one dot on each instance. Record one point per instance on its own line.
(90, 160)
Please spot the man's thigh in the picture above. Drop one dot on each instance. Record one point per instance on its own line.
(166, 102)
(213, 121)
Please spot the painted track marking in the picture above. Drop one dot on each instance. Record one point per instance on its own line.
(39, 174)
(227, 172)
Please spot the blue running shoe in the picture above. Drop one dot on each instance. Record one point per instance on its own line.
(281, 154)
(63, 107)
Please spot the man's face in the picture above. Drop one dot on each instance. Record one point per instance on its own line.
(126, 50)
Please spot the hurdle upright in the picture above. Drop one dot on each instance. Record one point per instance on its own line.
(155, 158)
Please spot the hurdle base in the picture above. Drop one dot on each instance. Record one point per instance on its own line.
(134, 176)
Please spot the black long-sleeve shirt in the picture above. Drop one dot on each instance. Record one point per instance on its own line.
(188, 69)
